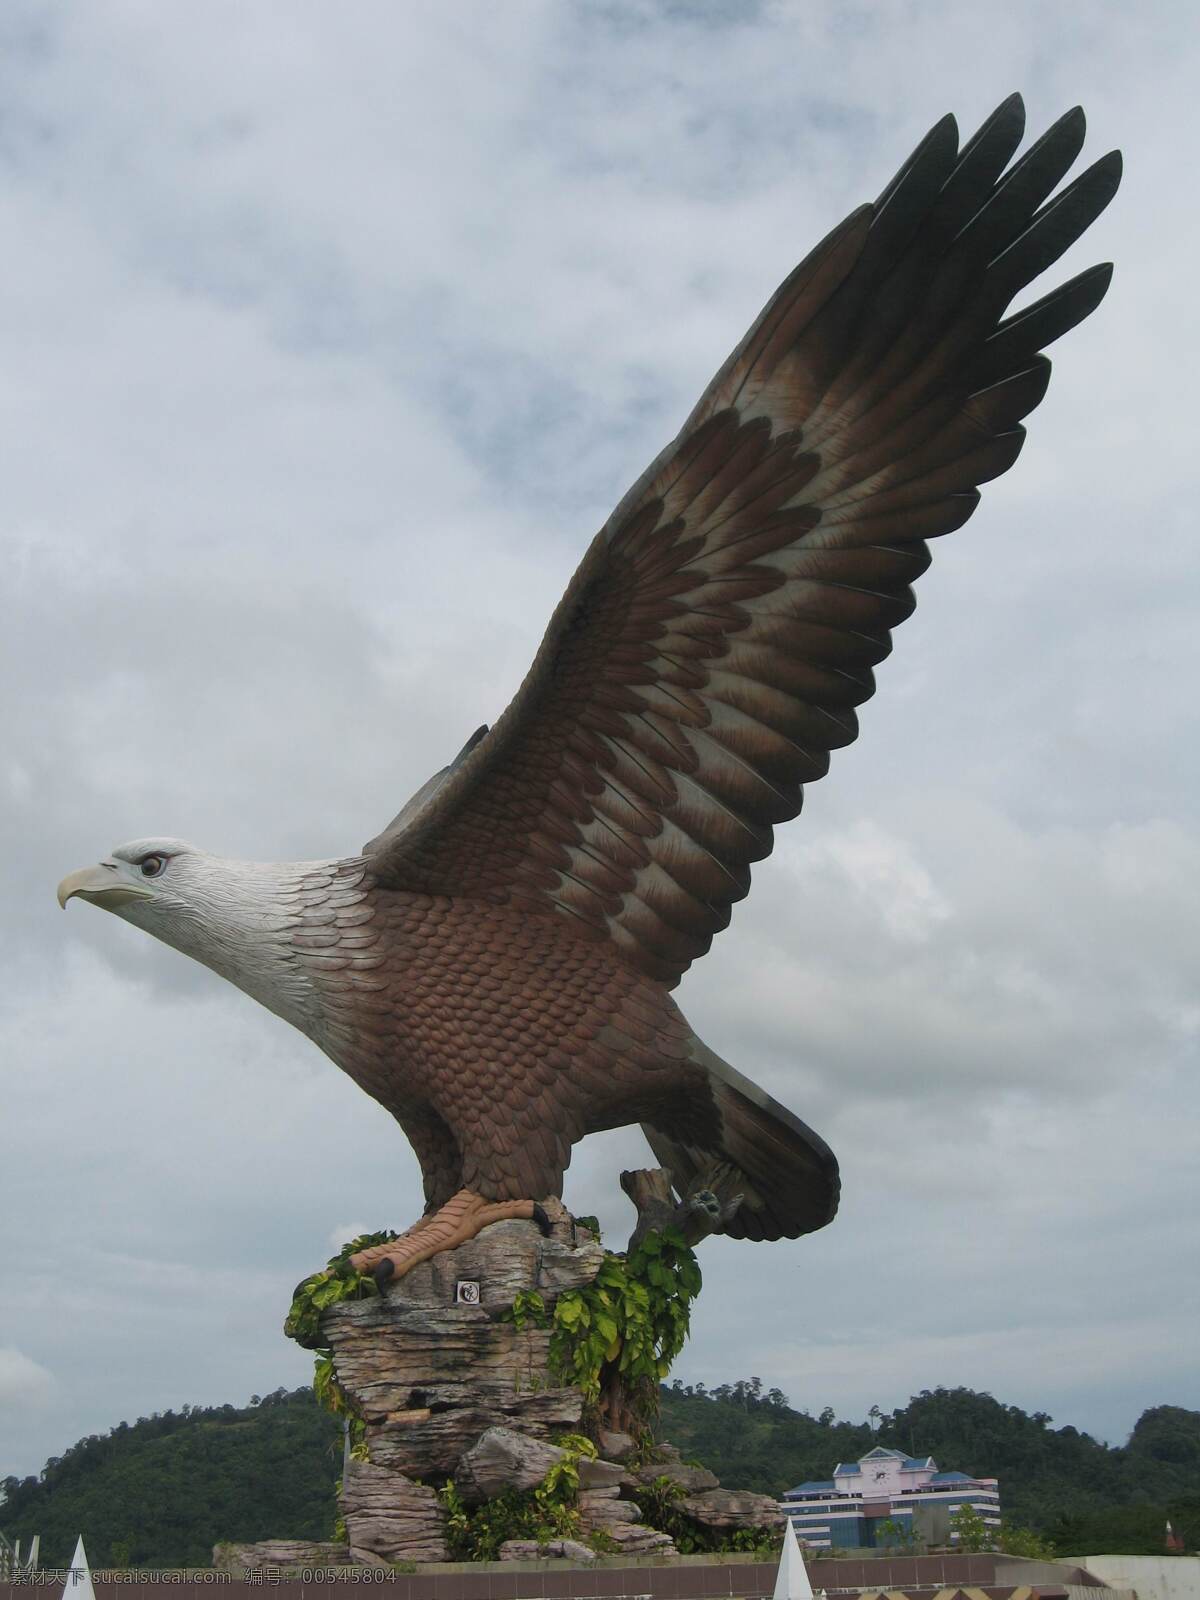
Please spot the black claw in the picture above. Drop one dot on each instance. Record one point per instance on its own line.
(383, 1273)
(542, 1220)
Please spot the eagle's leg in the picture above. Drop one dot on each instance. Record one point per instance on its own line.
(460, 1219)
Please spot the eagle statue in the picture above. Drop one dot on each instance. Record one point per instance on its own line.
(496, 967)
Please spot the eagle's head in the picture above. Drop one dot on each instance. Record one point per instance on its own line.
(237, 917)
(152, 882)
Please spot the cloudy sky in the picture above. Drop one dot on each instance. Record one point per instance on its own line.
(328, 336)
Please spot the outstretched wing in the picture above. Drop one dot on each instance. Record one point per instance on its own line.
(711, 649)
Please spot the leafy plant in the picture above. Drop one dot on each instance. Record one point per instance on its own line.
(577, 1445)
(528, 1306)
(340, 1280)
(1015, 1541)
(760, 1542)
(972, 1532)
(628, 1324)
(122, 1551)
(547, 1511)
(976, 1534)
(659, 1502)
(894, 1533)
(648, 1452)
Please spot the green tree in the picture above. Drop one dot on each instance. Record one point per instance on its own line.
(896, 1535)
(1016, 1541)
(174, 1485)
(970, 1531)
(1168, 1434)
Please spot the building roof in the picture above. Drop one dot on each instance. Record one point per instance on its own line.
(829, 1486)
(882, 1453)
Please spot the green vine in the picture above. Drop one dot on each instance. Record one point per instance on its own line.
(659, 1502)
(339, 1281)
(333, 1397)
(527, 1306)
(631, 1321)
(547, 1511)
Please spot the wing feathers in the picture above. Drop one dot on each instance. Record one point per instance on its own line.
(1057, 226)
(1041, 323)
(983, 158)
(711, 650)
(1026, 185)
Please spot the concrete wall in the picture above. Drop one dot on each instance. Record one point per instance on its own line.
(1017, 1570)
(1154, 1577)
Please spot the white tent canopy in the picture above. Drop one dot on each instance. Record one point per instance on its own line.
(792, 1580)
(79, 1578)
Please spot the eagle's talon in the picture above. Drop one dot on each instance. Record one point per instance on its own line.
(460, 1219)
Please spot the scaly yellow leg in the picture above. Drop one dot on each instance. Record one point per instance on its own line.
(461, 1218)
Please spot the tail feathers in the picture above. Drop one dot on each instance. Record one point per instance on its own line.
(787, 1174)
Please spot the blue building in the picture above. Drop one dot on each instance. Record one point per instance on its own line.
(886, 1486)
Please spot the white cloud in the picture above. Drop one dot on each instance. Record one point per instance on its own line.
(25, 1385)
(345, 1231)
(881, 871)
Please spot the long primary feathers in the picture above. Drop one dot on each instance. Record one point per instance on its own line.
(710, 652)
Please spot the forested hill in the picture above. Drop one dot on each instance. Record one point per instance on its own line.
(1058, 1481)
(164, 1490)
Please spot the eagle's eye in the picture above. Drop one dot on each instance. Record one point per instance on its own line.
(152, 865)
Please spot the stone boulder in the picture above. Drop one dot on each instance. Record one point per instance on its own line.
(635, 1539)
(615, 1446)
(726, 1510)
(603, 1475)
(553, 1549)
(299, 1553)
(425, 1443)
(390, 1518)
(692, 1480)
(501, 1459)
(602, 1509)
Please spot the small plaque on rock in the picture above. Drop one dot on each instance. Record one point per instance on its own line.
(466, 1292)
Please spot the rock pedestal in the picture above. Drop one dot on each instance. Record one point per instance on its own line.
(431, 1365)
(451, 1389)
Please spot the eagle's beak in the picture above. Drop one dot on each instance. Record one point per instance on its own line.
(103, 885)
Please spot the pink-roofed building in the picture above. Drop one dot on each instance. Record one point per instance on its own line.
(846, 1511)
